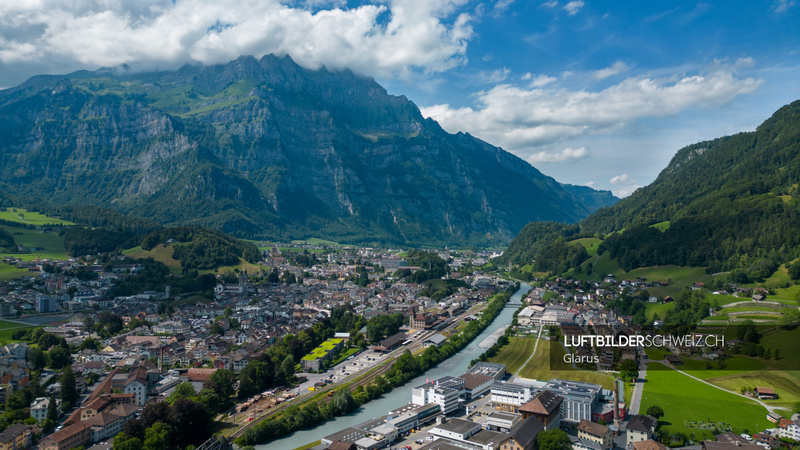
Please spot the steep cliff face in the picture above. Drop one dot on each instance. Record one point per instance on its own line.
(266, 148)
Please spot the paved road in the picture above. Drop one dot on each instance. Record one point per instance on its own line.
(636, 398)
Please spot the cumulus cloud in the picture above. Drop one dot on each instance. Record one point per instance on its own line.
(622, 179)
(625, 191)
(573, 7)
(782, 5)
(568, 154)
(390, 38)
(520, 119)
(615, 69)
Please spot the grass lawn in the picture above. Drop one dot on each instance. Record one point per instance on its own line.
(539, 368)
(684, 398)
(52, 243)
(651, 309)
(661, 226)
(31, 218)
(515, 353)
(590, 244)
(161, 252)
(7, 328)
(786, 384)
(9, 272)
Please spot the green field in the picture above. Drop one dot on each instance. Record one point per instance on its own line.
(31, 218)
(515, 353)
(590, 244)
(52, 243)
(316, 241)
(519, 349)
(7, 328)
(683, 398)
(9, 272)
(161, 252)
(651, 309)
(661, 226)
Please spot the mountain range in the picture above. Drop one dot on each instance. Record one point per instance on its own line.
(267, 149)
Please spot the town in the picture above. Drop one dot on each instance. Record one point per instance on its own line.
(84, 363)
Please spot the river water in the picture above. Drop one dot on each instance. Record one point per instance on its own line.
(454, 366)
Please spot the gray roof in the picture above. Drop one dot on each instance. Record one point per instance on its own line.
(525, 433)
(458, 426)
(641, 423)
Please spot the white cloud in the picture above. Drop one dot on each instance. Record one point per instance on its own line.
(622, 179)
(589, 183)
(573, 7)
(568, 154)
(745, 62)
(391, 38)
(616, 68)
(495, 76)
(520, 119)
(538, 80)
(626, 191)
(782, 5)
(550, 4)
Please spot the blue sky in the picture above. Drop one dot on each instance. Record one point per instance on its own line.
(590, 92)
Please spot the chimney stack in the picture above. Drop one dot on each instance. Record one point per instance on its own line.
(616, 403)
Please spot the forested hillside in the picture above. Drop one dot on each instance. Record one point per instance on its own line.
(731, 203)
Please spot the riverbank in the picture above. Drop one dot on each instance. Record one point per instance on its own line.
(456, 363)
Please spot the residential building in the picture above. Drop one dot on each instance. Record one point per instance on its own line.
(39, 408)
(545, 406)
(523, 436)
(70, 437)
(17, 436)
(596, 433)
(640, 428)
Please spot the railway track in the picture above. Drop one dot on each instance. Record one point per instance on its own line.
(355, 380)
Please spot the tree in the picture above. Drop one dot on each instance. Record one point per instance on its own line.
(157, 437)
(777, 354)
(221, 382)
(52, 408)
(36, 358)
(88, 323)
(555, 439)
(191, 423)
(287, 367)
(69, 391)
(655, 411)
(273, 276)
(123, 442)
(628, 370)
(58, 358)
(183, 390)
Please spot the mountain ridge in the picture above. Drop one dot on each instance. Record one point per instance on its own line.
(264, 148)
(732, 204)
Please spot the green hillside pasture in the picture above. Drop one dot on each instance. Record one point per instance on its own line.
(785, 383)
(161, 252)
(684, 398)
(759, 317)
(651, 309)
(29, 217)
(661, 226)
(52, 243)
(539, 368)
(515, 353)
(590, 244)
